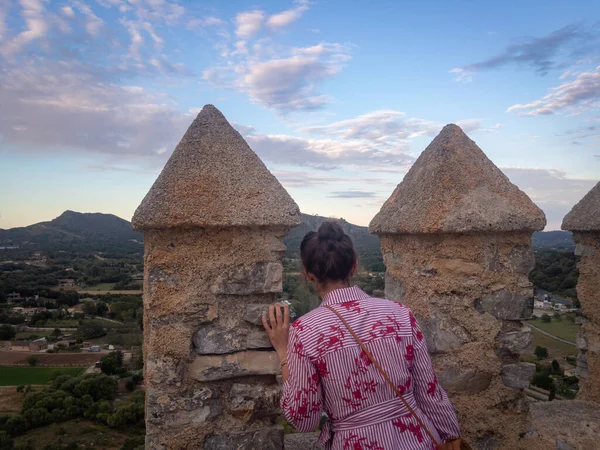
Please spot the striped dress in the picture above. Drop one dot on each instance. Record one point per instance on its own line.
(329, 372)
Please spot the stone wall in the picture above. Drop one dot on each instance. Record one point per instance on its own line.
(584, 221)
(456, 239)
(210, 271)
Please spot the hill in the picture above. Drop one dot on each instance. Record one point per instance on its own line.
(74, 232)
(367, 245)
(553, 240)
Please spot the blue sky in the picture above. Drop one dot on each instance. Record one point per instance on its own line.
(337, 98)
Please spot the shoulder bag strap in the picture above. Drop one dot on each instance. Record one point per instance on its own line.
(385, 375)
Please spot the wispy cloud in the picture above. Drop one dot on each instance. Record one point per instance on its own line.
(575, 96)
(249, 23)
(551, 189)
(352, 194)
(542, 54)
(287, 17)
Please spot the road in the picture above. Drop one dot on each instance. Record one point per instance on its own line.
(551, 335)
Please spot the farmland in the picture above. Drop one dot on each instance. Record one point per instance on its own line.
(10, 358)
(13, 376)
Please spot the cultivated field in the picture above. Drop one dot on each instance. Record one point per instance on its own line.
(10, 358)
(563, 329)
(13, 376)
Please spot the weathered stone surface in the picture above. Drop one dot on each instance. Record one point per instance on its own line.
(442, 333)
(515, 341)
(580, 340)
(253, 313)
(517, 376)
(197, 406)
(211, 368)
(454, 188)
(393, 288)
(571, 424)
(249, 399)
(582, 365)
(506, 305)
(260, 278)
(214, 179)
(585, 215)
(163, 370)
(301, 441)
(470, 381)
(267, 439)
(218, 341)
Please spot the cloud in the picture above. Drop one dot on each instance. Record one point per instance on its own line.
(542, 54)
(551, 189)
(249, 23)
(34, 15)
(578, 95)
(285, 18)
(92, 22)
(324, 154)
(285, 84)
(301, 179)
(352, 194)
(204, 22)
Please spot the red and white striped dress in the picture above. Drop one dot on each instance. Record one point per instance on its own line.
(330, 372)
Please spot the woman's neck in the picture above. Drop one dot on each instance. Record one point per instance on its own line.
(325, 289)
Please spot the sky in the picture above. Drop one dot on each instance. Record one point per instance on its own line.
(338, 98)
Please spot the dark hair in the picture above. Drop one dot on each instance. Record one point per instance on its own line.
(328, 253)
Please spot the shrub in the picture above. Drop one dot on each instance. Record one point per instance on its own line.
(546, 318)
(541, 380)
(16, 425)
(541, 352)
(556, 367)
(7, 332)
(33, 360)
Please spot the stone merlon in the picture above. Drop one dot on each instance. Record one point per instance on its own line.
(454, 188)
(585, 215)
(214, 179)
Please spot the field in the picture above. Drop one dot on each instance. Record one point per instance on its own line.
(13, 376)
(84, 359)
(100, 287)
(86, 434)
(26, 335)
(64, 323)
(564, 329)
(556, 349)
(97, 292)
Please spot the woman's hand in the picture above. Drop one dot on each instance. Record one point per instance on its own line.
(278, 328)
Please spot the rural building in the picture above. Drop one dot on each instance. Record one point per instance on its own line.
(38, 345)
(19, 346)
(67, 282)
(76, 309)
(13, 298)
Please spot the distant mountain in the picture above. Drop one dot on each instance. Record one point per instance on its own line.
(553, 240)
(76, 232)
(367, 245)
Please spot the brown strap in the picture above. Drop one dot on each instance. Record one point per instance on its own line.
(385, 375)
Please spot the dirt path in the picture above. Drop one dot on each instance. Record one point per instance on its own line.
(551, 335)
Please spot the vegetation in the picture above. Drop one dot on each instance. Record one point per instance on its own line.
(556, 349)
(32, 360)
(565, 329)
(7, 332)
(555, 272)
(541, 352)
(13, 376)
(88, 396)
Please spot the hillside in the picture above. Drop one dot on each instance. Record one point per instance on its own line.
(74, 232)
(553, 240)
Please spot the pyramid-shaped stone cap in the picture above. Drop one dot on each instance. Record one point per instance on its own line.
(214, 179)
(454, 188)
(585, 215)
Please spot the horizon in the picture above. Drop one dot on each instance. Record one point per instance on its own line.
(338, 102)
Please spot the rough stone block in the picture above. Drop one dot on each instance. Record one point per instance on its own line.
(197, 406)
(470, 381)
(211, 368)
(259, 278)
(518, 376)
(442, 334)
(505, 305)
(516, 341)
(266, 439)
(218, 341)
(580, 340)
(582, 365)
(248, 399)
(253, 313)
(163, 370)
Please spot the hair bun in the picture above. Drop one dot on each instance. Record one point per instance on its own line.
(330, 231)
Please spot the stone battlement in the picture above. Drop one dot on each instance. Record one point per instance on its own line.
(456, 239)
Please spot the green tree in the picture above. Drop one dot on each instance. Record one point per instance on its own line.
(89, 330)
(546, 318)
(6, 443)
(16, 425)
(7, 332)
(555, 366)
(56, 332)
(541, 352)
(101, 308)
(89, 308)
(33, 360)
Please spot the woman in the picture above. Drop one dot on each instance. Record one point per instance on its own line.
(325, 369)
